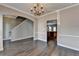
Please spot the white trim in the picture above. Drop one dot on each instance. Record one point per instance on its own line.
(35, 38)
(59, 10)
(67, 7)
(67, 47)
(48, 14)
(58, 17)
(41, 39)
(21, 38)
(58, 24)
(1, 49)
(70, 35)
(16, 9)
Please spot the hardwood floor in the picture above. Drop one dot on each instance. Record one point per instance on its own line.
(28, 47)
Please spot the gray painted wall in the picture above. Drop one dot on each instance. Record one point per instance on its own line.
(69, 28)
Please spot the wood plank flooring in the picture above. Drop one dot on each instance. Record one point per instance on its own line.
(28, 47)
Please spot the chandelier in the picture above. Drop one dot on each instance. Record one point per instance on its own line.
(37, 9)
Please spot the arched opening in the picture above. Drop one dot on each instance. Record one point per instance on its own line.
(17, 32)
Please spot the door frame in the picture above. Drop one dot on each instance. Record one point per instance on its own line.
(56, 28)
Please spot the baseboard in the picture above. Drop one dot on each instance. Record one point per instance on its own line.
(67, 47)
(22, 38)
(42, 40)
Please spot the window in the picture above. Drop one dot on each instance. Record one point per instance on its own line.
(54, 28)
(50, 28)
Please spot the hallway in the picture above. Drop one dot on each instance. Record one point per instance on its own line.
(28, 47)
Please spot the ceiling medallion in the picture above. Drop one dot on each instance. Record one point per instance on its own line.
(37, 9)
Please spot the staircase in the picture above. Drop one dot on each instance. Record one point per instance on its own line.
(23, 30)
(9, 23)
(19, 20)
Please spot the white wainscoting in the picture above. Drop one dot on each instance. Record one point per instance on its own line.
(69, 41)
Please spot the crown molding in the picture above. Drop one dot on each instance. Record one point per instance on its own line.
(59, 10)
(41, 15)
(48, 14)
(67, 7)
(17, 9)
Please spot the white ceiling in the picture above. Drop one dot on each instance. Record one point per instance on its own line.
(49, 7)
